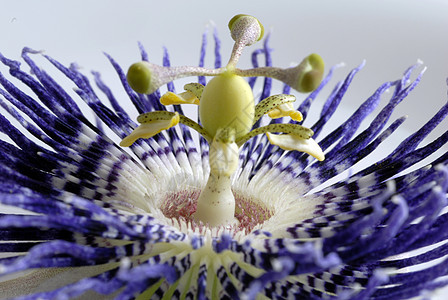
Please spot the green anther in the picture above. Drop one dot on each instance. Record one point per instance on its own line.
(151, 124)
(195, 88)
(295, 129)
(167, 115)
(270, 103)
(139, 77)
(313, 71)
(154, 116)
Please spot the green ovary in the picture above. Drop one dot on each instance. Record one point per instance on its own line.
(227, 102)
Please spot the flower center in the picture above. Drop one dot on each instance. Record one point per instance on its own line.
(227, 114)
(180, 206)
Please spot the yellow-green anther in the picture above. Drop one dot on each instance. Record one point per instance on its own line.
(151, 124)
(312, 72)
(295, 129)
(293, 142)
(192, 95)
(155, 116)
(139, 77)
(166, 115)
(270, 103)
(170, 98)
(154, 122)
(195, 88)
(285, 110)
(227, 102)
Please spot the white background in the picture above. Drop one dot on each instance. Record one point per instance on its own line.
(390, 35)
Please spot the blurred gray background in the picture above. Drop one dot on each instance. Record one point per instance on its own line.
(389, 35)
